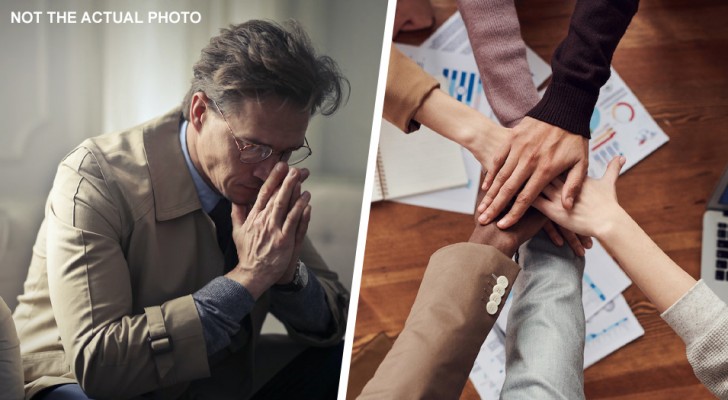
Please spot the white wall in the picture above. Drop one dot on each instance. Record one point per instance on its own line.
(62, 83)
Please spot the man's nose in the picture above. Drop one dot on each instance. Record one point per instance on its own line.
(264, 168)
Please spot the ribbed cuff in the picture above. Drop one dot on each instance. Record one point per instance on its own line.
(698, 301)
(305, 310)
(222, 304)
(567, 107)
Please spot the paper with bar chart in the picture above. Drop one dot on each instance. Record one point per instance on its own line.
(620, 125)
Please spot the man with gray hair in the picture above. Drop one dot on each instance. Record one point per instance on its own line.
(164, 247)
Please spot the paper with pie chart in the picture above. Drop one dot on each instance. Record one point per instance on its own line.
(620, 125)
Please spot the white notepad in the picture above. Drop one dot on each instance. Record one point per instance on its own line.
(414, 163)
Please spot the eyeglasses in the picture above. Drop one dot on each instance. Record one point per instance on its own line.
(251, 153)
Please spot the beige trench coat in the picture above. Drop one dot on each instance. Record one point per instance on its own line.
(123, 246)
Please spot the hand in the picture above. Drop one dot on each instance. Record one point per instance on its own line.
(596, 209)
(558, 235)
(537, 153)
(287, 277)
(487, 142)
(266, 235)
(412, 15)
(508, 240)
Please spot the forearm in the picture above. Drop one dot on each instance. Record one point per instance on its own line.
(659, 278)
(454, 120)
(500, 53)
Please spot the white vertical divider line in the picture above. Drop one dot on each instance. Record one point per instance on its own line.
(366, 200)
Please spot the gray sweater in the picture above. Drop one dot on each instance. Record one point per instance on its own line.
(700, 318)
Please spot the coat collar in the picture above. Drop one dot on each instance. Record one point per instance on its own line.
(173, 188)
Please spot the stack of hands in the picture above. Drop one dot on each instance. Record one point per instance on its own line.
(538, 169)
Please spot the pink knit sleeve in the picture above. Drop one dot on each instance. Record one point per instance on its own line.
(500, 53)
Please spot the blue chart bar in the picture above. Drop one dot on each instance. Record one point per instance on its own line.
(470, 89)
(593, 336)
(594, 287)
(464, 86)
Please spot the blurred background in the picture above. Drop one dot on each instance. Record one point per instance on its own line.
(66, 82)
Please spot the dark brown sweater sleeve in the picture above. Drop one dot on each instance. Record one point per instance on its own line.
(581, 63)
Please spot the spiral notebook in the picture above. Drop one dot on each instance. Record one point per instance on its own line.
(419, 162)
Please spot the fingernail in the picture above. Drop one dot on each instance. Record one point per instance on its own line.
(484, 218)
(292, 172)
(589, 244)
(280, 166)
(503, 223)
(581, 252)
(481, 208)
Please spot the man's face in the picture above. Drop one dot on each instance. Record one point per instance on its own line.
(270, 121)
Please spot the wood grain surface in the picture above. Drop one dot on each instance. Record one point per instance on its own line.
(674, 57)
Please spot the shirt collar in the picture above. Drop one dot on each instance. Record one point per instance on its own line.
(208, 197)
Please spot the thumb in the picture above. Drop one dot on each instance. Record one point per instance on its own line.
(239, 214)
(613, 169)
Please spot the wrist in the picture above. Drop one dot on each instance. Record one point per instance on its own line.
(454, 120)
(298, 281)
(255, 286)
(503, 243)
(612, 225)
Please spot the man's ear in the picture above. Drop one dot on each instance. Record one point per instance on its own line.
(198, 108)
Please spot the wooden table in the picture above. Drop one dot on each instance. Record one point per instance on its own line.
(675, 59)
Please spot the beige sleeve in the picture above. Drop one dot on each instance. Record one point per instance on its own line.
(11, 366)
(448, 323)
(91, 292)
(407, 87)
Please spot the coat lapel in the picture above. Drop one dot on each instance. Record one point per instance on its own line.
(172, 185)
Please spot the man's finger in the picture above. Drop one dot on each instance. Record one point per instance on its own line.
(574, 182)
(498, 181)
(551, 192)
(281, 201)
(498, 162)
(295, 195)
(270, 185)
(506, 193)
(573, 242)
(305, 173)
(553, 234)
(548, 208)
(290, 225)
(586, 241)
(533, 187)
(303, 224)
